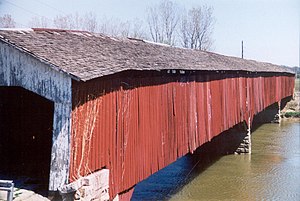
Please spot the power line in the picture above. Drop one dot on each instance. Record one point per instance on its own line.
(49, 6)
(29, 11)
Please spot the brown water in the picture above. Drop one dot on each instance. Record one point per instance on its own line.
(271, 172)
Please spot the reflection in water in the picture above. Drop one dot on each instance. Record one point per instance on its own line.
(271, 172)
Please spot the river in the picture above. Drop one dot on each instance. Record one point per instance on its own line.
(271, 172)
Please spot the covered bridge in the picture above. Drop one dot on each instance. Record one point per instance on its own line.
(81, 102)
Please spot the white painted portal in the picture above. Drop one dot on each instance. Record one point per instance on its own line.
(20, 69)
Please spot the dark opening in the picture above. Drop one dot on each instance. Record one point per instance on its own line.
(26, 121)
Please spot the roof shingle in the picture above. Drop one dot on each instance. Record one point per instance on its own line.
(87, 56)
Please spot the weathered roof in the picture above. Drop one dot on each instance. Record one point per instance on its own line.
(86, 56)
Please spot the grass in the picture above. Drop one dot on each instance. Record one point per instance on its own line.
(297, 84)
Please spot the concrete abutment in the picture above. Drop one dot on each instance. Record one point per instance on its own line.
(92, 187)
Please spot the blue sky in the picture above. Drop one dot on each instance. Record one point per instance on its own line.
(269, 28)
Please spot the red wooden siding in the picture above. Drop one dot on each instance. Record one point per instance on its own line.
(136, 124)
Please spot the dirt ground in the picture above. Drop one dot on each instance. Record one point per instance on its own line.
(24, 195)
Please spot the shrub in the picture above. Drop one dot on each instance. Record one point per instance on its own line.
(292, 114)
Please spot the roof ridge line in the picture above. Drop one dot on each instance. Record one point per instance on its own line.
(59, 30)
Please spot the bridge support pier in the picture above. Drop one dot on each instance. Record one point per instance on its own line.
(245, 146)
(271, 114)
(278, 116)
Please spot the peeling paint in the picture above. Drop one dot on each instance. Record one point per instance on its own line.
(20, 69)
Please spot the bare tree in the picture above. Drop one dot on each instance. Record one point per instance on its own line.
(154, 27)
(77, 21)
(124, 28)
(41, 22)
(118, 28)
(131, 29)
(138, 30)
(196, 28)
(6, 21)
(109, 26)
(162, 21)
(63, 22)
(89, 22)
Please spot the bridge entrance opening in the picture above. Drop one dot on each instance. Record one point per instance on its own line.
(26, 124)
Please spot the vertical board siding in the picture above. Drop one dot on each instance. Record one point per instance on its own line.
(135, 125)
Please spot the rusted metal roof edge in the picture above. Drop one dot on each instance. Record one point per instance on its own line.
(43, 60)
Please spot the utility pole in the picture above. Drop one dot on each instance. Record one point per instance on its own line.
(242, 49)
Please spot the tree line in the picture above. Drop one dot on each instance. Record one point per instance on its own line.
(165, 23)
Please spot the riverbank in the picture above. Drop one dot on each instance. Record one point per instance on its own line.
(292, 108)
